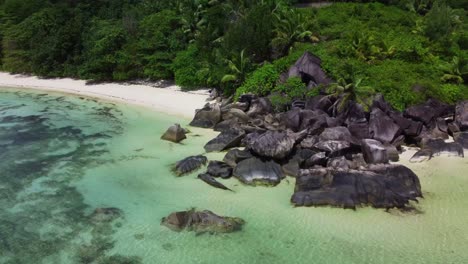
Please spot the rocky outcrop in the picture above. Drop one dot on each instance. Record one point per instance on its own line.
(374, 151)
(202, 222)
(227, 139)
(189, 164)
(381, 186)
(254, 171)
(174, 133)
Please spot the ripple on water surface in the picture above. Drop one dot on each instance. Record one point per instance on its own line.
(62, 157)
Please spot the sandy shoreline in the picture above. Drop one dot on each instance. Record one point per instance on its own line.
(168, 100)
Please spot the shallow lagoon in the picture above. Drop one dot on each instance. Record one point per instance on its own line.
(63, 156)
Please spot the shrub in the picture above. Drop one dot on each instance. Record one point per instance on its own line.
(261, 82)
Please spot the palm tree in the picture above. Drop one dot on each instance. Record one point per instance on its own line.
(290, 26)
(238, 67)
(454, 71)
(351, 90)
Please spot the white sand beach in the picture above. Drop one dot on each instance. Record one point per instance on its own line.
(169, 100)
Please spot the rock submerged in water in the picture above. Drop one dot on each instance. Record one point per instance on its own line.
(189, 164)
(105, 214)
(381, 186)
(219, 169)
(202, 222)
(212, 181)
(174, 133)
(254, 171)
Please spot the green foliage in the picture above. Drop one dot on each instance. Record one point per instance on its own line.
(352, 90)
(441, 21)
(261, 82)
(455, 71)
(280, 102)
(160, 39)
(291, 26)
(294, 88)
(450, 93)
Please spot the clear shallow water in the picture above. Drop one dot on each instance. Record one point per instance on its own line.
(63, 156)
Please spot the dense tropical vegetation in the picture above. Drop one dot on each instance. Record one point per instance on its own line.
(408, 50)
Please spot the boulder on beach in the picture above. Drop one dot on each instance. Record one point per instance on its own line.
(174, 133)
(207, 117)
(227, 139)
(202, 222)
(382, 127)
(374, 151)
(254, 171)
(189, 164)
(272, 144)
(381, 186)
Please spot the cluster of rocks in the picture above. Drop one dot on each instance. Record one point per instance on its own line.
(201, 222)
(339, 156)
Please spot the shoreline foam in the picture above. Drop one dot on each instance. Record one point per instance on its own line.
(170, 100)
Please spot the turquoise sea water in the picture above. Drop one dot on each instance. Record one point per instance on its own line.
(63, 156)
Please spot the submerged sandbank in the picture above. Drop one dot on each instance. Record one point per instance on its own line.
(169, 100)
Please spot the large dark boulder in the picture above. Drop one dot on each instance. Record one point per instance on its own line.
(174, 133)
(308, 68)
(219, 169)
(234, 156)
(255, 171)
(314, 121)
(272, 144)
(379, 102)
(374, 151)
(292, 119)
(260, 106)
(227, 139)
(382, 127)
(461, 138)
(189, 165)
(410, 127)
(334, 148)
(319, 102)
(318, 159)
(461, 115)
(237, 114)
(336, 133)
(428, 111)
(359, 130)
(207, 117)
(201, 222)
(381, 186)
